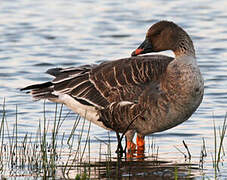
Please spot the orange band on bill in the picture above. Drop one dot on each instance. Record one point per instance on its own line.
(138, 51)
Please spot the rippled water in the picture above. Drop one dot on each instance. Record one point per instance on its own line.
(38, 35)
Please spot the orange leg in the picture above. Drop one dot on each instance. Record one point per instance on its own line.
(140, 146)
(131, 146)
(140, 141)
(131, 149)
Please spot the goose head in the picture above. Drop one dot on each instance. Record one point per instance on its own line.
(166, 35)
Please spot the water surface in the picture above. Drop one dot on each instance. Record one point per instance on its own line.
(38, 35)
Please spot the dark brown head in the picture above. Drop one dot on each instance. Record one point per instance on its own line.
(165, 35)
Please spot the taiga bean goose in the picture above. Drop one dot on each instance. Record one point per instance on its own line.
(143, 94)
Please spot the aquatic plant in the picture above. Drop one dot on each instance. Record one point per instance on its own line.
(52, 153)
(219, 150)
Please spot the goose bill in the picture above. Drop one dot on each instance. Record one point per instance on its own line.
(144, 48)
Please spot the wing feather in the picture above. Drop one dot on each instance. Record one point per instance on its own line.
(101, 85)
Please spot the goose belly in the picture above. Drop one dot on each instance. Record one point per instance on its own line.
(88, 112)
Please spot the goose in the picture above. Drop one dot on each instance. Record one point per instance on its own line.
(140, 94)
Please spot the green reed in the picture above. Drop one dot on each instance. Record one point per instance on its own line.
(40, 152)
(203, 154)
(36, 156)
(219, 150)
(2, 135)
(175, 173)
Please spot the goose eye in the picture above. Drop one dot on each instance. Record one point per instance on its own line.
(157, 33)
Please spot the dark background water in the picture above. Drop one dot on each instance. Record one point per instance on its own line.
(38, 35)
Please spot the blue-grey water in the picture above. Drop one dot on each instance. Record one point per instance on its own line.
(38, 35)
